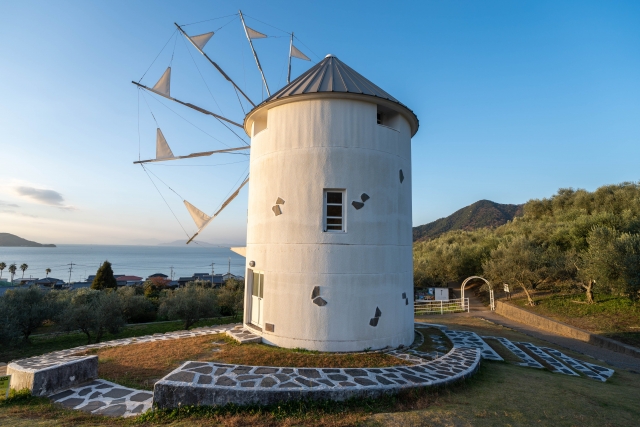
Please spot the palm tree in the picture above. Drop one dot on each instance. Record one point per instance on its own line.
(2, 267)
(48, 270)
(23, 267)
(12, 270)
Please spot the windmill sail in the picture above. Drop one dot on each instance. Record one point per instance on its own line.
(201, 154)
(253, 34)
(224, 205)
(296, 53)
(163, 151)
(199, 217)
(163, 87)
(201, 40)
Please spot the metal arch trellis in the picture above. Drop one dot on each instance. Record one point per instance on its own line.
(468, 279)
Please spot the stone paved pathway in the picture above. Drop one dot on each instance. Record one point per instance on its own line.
(105, 398)
(472, 340)
(558, 367)
(527, 360)
(55, 358)
(592, 371)
(243, 335)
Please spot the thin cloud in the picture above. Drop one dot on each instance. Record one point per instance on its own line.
(8, 205)
(47, 197)
(12, 212)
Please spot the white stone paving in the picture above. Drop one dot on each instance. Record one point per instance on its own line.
(472, 340)
(595, 372)
(558, 367)
(102, 397)
(527, 360)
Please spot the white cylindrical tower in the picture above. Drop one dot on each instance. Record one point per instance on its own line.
(329, 237)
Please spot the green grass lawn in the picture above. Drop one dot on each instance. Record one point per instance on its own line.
(47, 343)
(612, 316)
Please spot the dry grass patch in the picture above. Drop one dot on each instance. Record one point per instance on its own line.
(141, 365)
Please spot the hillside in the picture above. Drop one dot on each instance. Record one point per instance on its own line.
(7, 239)
(481, 214)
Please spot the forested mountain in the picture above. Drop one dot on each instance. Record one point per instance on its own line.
(481, 214)
(7, 239)
(575, 239)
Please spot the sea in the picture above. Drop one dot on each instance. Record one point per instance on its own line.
(128, 260)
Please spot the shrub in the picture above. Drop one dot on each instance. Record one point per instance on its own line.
(136, 307)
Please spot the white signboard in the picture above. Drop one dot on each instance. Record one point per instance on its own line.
(506, 288)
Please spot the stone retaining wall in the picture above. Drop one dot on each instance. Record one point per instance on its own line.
(200, 383)
(523, 316)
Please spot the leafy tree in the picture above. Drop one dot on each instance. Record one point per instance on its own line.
(153, 287)
(48, 270)
(104, 278)
(28, 308)
(12, 269)
(2, 267)
(231, 297)
(94, 313)
(23, 267)
(189, 304)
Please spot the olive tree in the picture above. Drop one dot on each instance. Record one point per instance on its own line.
(231, 297)
(94, 313)
(189, 304)
(28, 308)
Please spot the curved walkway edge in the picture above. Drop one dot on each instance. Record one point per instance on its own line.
(201, 383)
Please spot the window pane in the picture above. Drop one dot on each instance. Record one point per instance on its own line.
(334, 227)
(255, 288)
(334, 210)
(261, 291)
(334, 197)
(334, 221)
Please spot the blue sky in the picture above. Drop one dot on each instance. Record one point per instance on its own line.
(515, 98)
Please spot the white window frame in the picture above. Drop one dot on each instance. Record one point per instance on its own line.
(324, 210)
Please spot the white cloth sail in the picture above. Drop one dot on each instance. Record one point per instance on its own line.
(163, 151)
(202, 39)
(199, 217)
(296, 53)
(253, 34)
(164, 84)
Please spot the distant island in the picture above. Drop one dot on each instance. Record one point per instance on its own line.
(11, 240)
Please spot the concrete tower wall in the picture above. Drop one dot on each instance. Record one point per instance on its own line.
(299, 149)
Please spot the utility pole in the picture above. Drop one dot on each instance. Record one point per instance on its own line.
(70, 270)
(172, 273)
(212, 270)
(229, 271)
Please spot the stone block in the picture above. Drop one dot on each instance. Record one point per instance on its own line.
(52, 378)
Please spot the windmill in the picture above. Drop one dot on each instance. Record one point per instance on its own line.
(329, 262)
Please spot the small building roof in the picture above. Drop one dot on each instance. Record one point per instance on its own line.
(333, 76)
(129, 278)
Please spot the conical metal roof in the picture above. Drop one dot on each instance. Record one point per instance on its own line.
(334, 76)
